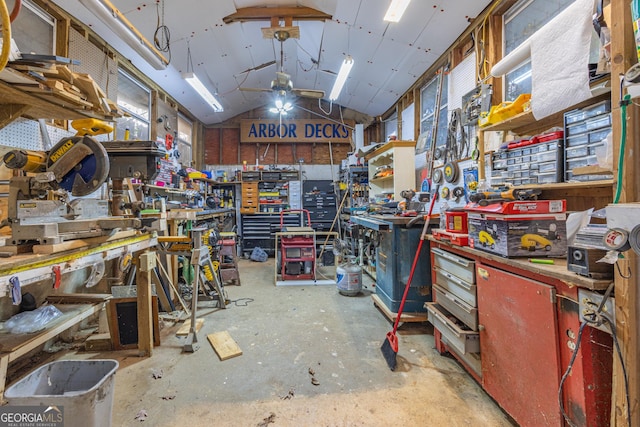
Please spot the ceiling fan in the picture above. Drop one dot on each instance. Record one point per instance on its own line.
(282, 84)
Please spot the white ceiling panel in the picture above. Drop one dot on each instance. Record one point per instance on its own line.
(388, 57)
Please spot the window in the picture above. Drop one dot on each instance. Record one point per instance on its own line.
(443, 122)
(433, 117)
(520, 22)
(183, 144)
(391, 126)
(34, 29)
(135, 99)
(428, 98)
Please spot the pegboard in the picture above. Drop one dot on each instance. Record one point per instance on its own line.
(166, 109)
(93, 61)
(451, 202)
(22, 133)
(462, 80)
(25, 133)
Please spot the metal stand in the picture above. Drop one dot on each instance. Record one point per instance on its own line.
(199, 258)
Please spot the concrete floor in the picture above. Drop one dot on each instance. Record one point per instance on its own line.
(284, 332)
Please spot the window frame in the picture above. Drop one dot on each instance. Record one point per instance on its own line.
(46, 18)
(123, 73)
(182, 142)
(519, 72)
(435, 128)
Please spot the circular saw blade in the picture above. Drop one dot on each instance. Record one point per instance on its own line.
(80, 164)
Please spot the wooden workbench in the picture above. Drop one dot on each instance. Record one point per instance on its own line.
(32, 268)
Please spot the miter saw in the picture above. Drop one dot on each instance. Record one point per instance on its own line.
(48, 207)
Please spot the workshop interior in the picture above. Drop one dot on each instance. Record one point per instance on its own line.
(254, 212)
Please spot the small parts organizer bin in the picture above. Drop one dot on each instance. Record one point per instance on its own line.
(585, 130)
(538, 160)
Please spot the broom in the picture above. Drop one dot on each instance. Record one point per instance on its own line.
(390, 345)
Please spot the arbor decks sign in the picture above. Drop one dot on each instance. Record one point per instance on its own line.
(320, 131)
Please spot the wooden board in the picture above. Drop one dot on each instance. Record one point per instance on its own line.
(78, 298)
(224, 345)
(59, 247)
(184, 329)
(406, 317)
(91, 89)
(98, 342)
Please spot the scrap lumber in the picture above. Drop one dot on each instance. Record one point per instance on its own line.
(224, 345)
(184, 329)
(92, 90)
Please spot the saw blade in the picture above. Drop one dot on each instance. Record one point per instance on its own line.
(80, 164)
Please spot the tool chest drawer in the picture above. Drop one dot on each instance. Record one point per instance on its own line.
(454, 285)
(462, 268)
(456, 306)
(249, 203)
(457, 334)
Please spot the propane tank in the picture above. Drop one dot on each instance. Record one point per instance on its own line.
(349, 278)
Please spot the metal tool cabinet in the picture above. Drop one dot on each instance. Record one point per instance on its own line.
(528, 322)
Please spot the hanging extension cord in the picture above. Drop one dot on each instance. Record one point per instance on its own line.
(595, 317)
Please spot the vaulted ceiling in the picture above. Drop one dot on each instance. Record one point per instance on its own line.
(388, 57)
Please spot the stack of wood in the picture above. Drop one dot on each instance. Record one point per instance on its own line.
(49, 77)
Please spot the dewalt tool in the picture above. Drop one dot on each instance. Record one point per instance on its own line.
(91, 127)
(484, 198)
(27, 160)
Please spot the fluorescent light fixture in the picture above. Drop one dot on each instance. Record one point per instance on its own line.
(345, 69)
(195, 83)
(281, 107)
(119, 24)
(396, 10)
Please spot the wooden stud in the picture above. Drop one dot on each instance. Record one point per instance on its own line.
(623, 54)
(10, 112)
(145, 318)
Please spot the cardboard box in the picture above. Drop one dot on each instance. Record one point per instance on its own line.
(530, 235)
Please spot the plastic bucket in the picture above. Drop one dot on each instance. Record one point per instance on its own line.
(84, 388)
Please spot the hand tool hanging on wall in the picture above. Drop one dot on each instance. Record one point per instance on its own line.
(456, 146)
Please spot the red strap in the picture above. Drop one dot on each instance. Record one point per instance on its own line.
(56, 276)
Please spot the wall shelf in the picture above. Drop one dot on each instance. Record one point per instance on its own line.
(15, 103)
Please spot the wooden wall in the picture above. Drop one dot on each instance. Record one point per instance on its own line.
(222, 142)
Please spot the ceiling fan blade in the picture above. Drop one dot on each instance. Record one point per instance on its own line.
(254, 89)
(308, 93)
(258, 67)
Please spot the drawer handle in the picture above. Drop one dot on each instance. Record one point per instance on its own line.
(454, 279)
(461, 261)
(446, 322)
(460, 304)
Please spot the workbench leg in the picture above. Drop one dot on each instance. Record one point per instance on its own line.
(4, 364)
(146, 265)
(172, 260)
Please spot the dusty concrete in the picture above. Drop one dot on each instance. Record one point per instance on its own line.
(284, 332)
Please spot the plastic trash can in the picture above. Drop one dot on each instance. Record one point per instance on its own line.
(84, 388)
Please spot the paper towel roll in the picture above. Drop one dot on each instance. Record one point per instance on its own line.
(560, 60)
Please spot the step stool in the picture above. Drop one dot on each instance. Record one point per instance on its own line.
(229, 270)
